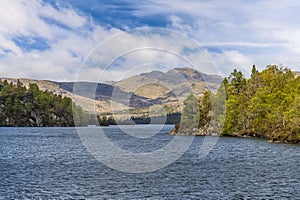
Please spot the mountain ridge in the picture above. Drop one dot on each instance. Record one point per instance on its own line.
(136, 92)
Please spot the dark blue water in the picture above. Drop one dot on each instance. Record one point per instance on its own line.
(52, 163)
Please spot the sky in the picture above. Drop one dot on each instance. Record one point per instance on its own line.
(59, 39)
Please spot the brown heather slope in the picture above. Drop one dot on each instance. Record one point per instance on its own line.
(166, 89)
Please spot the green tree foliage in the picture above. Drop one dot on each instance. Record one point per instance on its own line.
(33, 107)
(265, 105)
(205, 108)
(171, 118)
(80, 117)
(104, 121)
(236, 100)
(191, 114)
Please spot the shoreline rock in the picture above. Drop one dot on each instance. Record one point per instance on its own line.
(245, 134)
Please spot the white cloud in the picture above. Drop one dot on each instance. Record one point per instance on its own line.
(8, 47)
(232, 59)
(20, 17)
(159, 47)
(244, 33)
(68, 17)
(67, 46)
(264, 31)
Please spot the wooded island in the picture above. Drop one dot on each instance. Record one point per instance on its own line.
(266, 105)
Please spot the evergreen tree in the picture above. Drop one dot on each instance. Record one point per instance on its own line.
(33, 107)
(265, 105)
(205, 108)
(190, 115)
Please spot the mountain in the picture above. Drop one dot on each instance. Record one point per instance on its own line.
(180, 81)
(137, 93)
(180, 75)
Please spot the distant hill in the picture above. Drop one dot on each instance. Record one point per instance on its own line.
(181, 75)
(178, 80)
(136, 92)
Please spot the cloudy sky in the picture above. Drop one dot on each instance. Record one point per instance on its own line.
(50, 39)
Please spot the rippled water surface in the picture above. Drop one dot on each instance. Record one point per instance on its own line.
(52, 163)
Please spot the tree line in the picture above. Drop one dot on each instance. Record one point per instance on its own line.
(108, 119)
(21, 106)
(266, 105)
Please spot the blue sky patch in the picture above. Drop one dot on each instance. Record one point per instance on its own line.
(114, 13)
(31, 43)
(236, 33)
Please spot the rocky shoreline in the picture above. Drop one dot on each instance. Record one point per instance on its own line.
(244, 134)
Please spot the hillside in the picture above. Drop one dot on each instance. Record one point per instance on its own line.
(136, 93)
(180, 81)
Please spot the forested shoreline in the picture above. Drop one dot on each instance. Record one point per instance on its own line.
(265, 105)
(21, 106)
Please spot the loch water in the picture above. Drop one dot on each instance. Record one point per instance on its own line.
(53, 163)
